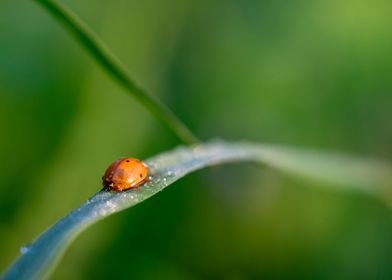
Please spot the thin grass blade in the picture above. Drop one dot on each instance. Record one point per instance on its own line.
(108, 61)
(342, 172)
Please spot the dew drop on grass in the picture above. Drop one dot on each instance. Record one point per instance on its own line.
(25, 249)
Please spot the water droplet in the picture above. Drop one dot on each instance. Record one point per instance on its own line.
(24, 249)
(110, 204)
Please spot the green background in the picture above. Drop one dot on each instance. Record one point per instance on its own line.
(306, 73)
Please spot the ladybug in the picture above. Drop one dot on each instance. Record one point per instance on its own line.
(124, 174)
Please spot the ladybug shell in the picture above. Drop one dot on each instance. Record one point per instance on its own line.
(124, 174)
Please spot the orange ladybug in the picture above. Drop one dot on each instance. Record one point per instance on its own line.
(124, 174)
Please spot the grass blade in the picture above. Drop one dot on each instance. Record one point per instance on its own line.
(102, 54)
(41, 257)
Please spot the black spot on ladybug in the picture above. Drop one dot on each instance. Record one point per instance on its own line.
(127, 160)
(140, 175)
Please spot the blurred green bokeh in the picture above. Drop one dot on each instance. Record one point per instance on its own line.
(307, 73)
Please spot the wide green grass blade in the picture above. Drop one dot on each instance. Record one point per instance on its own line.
(102, 54)
(41, 257)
